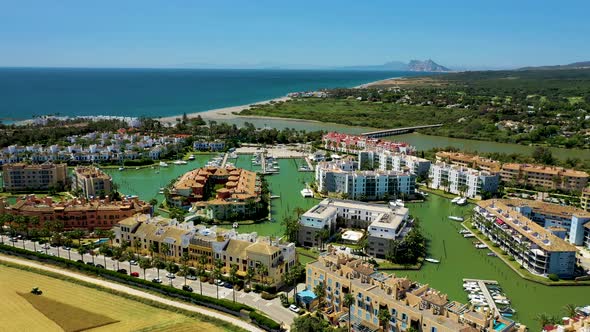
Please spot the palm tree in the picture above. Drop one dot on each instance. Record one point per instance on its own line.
(201, 270)
(250, 273)
(320, 292)
(82, 250)
(158, 264)
(233, 278)
(262, 272)
(137, 246)
(117, 253)
(384, 315)
(570, 310)
(153, 249)
(92, 254)
(165, 247)
(348, 302)
(543, 319)
(217, 274)
(145, 263)
(185, 271)
(103, 250)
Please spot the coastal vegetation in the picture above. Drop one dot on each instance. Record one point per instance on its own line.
(523, 107)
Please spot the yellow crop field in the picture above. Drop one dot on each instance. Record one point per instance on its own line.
(18, 314)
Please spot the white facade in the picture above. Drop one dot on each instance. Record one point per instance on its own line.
(452, 178)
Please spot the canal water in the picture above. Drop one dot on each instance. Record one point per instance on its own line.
(421, 142)
(459, 259)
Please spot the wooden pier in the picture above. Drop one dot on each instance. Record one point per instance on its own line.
(486, 293)
(397, 131)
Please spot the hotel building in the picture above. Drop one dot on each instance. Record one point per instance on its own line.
(91, 181)
(410, 304)
(344, 177)
(77, 213)
(537, 249)
(238, 192)
(24, 177)
(585, 200)
(382, 222)
(353, 143)
(243, 250)
(462, 181)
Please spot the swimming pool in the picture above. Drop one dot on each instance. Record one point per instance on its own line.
(499, 326)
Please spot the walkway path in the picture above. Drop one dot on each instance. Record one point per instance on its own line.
(224, 159)
(134, 292)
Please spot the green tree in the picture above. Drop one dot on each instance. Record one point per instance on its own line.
(233, 278)
(144, 264)
(348, 302)
(384, 315)
(320, 291)
(82, 250)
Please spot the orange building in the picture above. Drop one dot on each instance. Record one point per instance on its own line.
(77, 213)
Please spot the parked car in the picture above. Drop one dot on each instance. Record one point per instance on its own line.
(227, 285)
(80, 261)
(294, 308)
(122, 271)
(135, 274)
(157, 280)
(67, 248)
(219, 282)
(342, 248)
(90, 263)
(100, 266)
(187, 288)
(191, 277)
(41, 251)
(170, 275)
(132, 262)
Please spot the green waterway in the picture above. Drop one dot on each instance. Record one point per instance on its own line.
(459, 259)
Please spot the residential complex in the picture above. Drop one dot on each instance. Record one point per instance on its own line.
(550, 177)
(410, 304)
(94, 147)
(383, 223)
(91, 181)
(463, 181)
(77, 213)
(209, 146)
(24, 177)
(566, 222)
(386, 160)
(344, 177)
(243, 250)
(218, 192)
(585, 199)
(537, 249)
(354, 143)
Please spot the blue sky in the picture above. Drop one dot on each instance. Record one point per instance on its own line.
(331, 33)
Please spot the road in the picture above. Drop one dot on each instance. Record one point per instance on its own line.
(131, 291)
(272, 308)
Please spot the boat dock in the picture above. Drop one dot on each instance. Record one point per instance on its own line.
(486, 293)
(225, 156)
(397, 131)
(308, 161)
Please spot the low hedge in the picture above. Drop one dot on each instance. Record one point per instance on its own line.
(228, 306)
(264, 322)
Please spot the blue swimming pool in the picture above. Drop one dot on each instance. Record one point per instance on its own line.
(499, 326)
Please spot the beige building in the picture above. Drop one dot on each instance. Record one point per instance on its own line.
(24, 177)
(409, 303)
(550, 177)
(91, 181)
(243, 250)
(585, 200)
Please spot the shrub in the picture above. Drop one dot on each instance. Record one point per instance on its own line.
(553, 277)
(267, 296)
(511, 259)
(247, 290)
(264, 321)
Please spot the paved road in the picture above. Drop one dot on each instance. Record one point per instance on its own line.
(134, 292)
(272, 308)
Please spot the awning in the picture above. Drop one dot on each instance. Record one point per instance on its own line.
(499, 221)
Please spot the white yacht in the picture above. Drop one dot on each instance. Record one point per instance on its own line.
(163, 164)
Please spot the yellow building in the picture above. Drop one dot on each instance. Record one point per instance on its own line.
(23, 177)
(409, 303)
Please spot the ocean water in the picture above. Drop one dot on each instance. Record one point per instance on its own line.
(30, 92)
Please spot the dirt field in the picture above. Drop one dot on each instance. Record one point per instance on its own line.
(17, 314)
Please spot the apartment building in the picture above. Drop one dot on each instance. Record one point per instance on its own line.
(462, 181)
(382, 223)
(209, 146)
(410, 304)
(537, 249)
(91, 181)
(242, 250)
(386, 160)
(24, 177)
(239, 192)
(335, 141)
(554, 217)
(344, 177)
(585, 200)
(78, 213)
(549, 177)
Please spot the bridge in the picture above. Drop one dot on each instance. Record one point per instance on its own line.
(397, 131)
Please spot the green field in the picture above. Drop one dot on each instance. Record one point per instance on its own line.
(24, 312)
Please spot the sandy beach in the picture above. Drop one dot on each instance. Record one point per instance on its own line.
(222, 113)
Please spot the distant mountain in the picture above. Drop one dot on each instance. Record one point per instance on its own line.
(428, 65)
(414, 65)
(575, 65)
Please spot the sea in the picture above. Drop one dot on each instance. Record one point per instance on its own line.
(30, 92)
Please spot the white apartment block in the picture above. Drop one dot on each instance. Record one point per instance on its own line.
(386, 160)
(462, 181)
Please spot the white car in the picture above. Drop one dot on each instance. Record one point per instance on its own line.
(294, 308)
(132, 262)
(170, 276)
(219, 282)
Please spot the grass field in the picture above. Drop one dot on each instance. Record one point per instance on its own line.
(18, 314)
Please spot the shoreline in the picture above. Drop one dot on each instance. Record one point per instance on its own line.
(227, 113)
